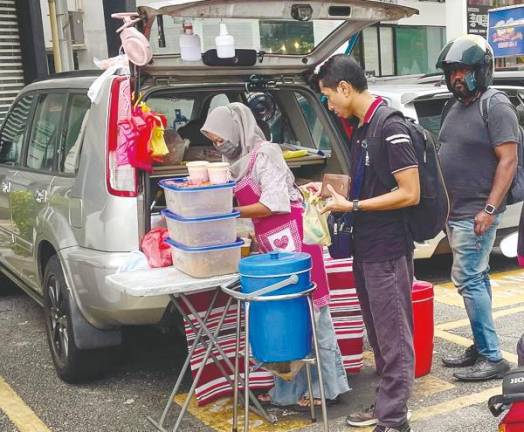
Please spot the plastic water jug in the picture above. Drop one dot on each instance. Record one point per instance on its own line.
(279, 330)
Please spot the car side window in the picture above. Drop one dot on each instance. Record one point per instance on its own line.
(315, 124)
(45, 133)
(76, 119)
(14, 131)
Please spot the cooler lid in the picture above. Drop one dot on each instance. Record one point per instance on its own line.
(274, 264)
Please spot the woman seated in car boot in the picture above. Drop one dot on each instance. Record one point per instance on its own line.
(266, 192)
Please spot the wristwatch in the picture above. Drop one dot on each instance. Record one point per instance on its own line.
(356, 206)
(490, 209)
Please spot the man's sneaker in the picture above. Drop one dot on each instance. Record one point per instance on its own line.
(362, 418)
(404, 428)
(484, 370)
(468, 358)
(366, 417)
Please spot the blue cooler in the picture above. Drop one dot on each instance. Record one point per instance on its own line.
(279, 330)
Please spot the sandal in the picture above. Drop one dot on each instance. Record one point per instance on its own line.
(264, 399)
(303, 404)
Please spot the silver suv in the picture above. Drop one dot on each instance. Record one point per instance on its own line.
(70, 215)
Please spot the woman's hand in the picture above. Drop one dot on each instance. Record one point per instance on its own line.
(337, 203)
(313, 187)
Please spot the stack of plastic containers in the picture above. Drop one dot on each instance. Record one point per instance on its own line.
(202, 227)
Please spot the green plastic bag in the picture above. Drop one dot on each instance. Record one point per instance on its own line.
(316, 229)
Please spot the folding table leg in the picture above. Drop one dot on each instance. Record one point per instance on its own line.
(235, 382)
(258, 407)
(160, 424)
(204, 360)
(319, 369)
(246, 370)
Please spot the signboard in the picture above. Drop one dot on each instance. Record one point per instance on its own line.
(506, 31)
(478, 20)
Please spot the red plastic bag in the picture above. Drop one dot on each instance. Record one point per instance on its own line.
(157, 251)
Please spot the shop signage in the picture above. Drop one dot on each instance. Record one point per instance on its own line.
(478, 20)
(506, 31)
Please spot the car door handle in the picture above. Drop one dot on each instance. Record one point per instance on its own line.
(5, 186)
(41, 196)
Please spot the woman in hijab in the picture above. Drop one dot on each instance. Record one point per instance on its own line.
(266, 192)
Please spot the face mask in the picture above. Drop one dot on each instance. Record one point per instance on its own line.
(229, 149)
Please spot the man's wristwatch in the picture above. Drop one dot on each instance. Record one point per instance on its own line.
(490, 209)
(356, 206)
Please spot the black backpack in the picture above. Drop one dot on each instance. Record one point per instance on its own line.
(428, 218)
(516, 191)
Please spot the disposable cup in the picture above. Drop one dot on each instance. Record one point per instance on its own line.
(218, 172)
(198, 171)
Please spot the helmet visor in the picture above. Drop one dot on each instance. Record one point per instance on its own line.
(468, 51)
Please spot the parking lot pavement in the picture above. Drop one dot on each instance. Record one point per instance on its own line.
(151, 360)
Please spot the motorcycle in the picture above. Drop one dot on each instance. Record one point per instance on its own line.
(511, 400)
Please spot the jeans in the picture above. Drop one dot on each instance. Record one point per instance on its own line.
(333, 372)
(470, 274)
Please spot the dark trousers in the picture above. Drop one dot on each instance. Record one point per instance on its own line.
(384, 291)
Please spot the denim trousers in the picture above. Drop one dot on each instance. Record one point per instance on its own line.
(470, 274)
(384, 292)
(333, 372)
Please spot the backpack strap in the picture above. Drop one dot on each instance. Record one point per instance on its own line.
(375, 142)
(485, 101)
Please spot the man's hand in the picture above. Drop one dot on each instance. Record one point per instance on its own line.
(337, 203)
(482, 222)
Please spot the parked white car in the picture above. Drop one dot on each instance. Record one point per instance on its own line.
(424, 103)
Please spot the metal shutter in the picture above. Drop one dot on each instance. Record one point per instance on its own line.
(11, 69)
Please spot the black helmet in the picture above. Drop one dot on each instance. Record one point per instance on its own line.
(471, 51)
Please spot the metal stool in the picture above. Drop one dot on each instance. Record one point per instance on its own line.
(257, 296)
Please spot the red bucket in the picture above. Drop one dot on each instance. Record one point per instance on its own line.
(422, 298)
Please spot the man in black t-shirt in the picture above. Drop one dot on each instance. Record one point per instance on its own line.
(383, 248)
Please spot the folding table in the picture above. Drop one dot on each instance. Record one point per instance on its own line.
(180, 287)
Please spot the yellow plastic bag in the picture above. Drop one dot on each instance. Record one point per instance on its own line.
(316, 229)
(158, 144)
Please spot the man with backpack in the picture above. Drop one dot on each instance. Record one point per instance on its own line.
(382, 245)
(478, 155)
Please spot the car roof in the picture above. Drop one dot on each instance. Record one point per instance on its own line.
(406, 93)
(78, 80)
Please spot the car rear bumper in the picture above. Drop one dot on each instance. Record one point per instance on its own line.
(102, 305)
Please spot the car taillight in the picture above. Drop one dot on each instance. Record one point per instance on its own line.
(502, 428)
(121, 180)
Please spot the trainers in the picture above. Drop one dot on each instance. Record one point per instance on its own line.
(362, 418)
(467, 358)
(367, 418)
(404, 428)
(484, 370)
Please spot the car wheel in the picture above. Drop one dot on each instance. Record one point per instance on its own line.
(72, 364)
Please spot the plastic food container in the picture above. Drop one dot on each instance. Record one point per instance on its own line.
(218, 172)
(201, 262)
(202, 231)
(197, 201)
(198, 171)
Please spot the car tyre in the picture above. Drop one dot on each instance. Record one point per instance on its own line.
(72, 364)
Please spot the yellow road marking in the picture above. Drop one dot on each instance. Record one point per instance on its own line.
(459, 340)
(218, 415)
(424, 387)
(18, 412)
(507, 287)
(455, 404)
(465, 322)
